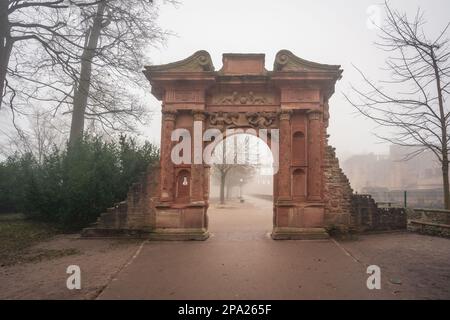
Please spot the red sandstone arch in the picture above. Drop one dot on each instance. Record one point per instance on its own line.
(292, 98)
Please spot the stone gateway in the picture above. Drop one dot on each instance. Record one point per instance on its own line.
(310, 190)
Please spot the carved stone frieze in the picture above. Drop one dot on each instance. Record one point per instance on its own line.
(223, 120)
(243, 98)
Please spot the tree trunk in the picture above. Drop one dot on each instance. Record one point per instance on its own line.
(82, 87)
(446, 184)
(444, 139)
(6, 44)
(222, 187)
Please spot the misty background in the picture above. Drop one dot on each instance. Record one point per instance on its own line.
(330, 32)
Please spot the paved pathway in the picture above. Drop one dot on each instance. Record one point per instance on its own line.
(240, 261)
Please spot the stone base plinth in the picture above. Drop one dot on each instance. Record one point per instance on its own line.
(299, 234)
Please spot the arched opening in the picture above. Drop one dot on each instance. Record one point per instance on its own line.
(241, 185)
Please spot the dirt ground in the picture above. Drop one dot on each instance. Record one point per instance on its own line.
(99, 261)
(238, 261)
(414, 266)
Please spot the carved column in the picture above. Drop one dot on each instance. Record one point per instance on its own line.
(197, 167)
(167, 166)
(284, 174)
(314, 155)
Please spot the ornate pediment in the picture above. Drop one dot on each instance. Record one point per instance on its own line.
(198, 62)
(287, 61)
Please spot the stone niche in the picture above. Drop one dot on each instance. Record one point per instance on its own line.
(310, 191)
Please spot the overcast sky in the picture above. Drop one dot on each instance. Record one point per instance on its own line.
(331, 32)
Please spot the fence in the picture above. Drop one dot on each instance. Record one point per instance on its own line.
(417, 198)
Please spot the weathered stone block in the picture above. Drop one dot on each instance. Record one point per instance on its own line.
(168, 218)
(194, 218)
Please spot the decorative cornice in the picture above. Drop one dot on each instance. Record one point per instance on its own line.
(287, 61)
(198, 62)
(198, 71)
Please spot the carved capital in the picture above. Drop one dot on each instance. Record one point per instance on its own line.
(169, 115)
(198, 115)
(285, 115)
(314, 114)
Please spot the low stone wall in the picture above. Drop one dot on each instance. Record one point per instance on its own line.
(439, 216)
(367, 216)
(429, 221)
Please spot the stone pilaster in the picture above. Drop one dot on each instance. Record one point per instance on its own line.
(284, 174)
(197, 167)
(167, 167)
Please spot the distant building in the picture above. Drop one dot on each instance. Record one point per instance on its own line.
(386, 177)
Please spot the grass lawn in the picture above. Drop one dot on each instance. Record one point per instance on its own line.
(18, 235)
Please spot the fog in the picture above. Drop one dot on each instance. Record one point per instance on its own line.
(331, 32)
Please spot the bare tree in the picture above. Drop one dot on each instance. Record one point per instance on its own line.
(411, 106)
(116, 36)
(228, 167)
(78, 57)
(239, 177)
(32, 46)
(43, 134)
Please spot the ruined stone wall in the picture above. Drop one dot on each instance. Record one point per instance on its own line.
(133, 216)
(338, 192)
(140, 200)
